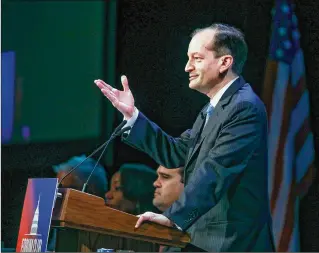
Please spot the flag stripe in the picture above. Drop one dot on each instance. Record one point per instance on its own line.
(279, 160)
(269, 85)
(276, 118)
(302, 135)
(287, 230)
(289, 220)
(297, 67)
(299, 90)
(305, 157)
(306, 181)
(283, 191)
(290, 215)
(294, 244)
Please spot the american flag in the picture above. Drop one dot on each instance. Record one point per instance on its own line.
(291, 152)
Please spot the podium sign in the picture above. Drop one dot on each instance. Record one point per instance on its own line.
(36, 215)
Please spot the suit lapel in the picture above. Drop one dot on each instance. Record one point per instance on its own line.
(199, 133)
(202, 134)
(196, 131)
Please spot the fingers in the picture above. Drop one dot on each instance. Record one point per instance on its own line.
(102, 85)
(116, 92)
(147, 216)
(111, 97)
(124, 82)
(153, 217)
(140, 220)
(107, 90)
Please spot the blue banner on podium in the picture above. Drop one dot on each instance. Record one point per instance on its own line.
(36, 215)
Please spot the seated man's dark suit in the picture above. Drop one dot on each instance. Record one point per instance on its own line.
(225, 204)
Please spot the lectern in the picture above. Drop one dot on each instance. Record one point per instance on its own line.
(84, 223)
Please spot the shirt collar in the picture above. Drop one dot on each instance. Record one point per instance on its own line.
(220, 93)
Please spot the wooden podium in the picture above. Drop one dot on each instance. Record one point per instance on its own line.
(84, 223)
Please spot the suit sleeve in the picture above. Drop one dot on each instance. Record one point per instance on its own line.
(166, 150)
(238, 139)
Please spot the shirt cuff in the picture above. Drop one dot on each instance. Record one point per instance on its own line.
(178, 227)
(130, 122)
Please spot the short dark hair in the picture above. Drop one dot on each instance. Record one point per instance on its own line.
(228, 40)
(137, 185)
(181, 173)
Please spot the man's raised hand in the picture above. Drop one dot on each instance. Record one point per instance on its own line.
(121, 100)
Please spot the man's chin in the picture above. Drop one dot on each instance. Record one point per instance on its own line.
(156, 202)
(159, 206)
(193, 85)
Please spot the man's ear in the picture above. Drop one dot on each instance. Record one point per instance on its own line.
(226, 62)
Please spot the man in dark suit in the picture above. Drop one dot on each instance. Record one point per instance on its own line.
(224, 205)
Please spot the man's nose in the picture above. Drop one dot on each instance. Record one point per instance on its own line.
(109, 195)
(157, 183)
(189, 67)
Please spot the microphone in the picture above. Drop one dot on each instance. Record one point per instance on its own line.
(113, 136)
(119, 127)
(115, 133)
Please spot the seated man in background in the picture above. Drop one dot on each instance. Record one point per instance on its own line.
(169, 185)
(132, 189)
(97, 185)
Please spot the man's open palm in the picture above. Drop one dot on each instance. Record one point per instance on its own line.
(121, 100)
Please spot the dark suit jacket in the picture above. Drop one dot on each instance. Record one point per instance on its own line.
(224, 205)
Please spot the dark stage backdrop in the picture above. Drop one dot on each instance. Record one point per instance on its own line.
(58, 51)
(153, 37)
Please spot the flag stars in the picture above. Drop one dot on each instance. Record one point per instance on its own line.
(295, 35)
(287, 44)
(294, 19)
(282, 31)
(285, 8)
(279, 53)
